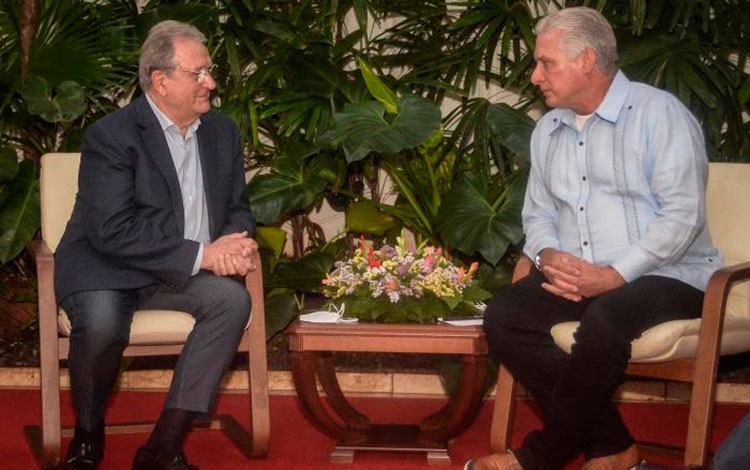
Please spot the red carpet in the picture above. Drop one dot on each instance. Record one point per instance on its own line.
(295, 445)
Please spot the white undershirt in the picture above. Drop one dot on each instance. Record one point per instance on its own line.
(581, 120)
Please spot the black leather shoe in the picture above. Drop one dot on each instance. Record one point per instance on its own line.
(145, 460)
(83, 455)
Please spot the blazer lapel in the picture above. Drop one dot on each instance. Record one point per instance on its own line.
(156, 146)
(208, 149)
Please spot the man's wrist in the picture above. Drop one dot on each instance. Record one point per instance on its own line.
(538, 259)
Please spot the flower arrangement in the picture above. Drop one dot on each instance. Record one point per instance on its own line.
(395, 285)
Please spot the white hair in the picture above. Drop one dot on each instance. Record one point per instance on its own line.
(157, 51)
(583, 28)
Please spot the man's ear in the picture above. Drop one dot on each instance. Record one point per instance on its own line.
(588, 60)
(157, 82)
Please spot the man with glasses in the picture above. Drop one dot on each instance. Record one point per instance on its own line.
(161, 221)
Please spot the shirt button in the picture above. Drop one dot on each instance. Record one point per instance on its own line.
(585, 243)
(580, 208)
(580, 143)
(583, 178)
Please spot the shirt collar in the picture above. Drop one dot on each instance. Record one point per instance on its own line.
(167, 123)
(614, 100)
(608, 109)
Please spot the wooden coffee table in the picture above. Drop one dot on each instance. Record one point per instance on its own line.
(311, 346)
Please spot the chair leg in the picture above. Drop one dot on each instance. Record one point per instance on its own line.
(502, 417)
(50, 394)
(260, 419)
(699, 421)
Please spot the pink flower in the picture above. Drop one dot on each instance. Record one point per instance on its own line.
(429, 262)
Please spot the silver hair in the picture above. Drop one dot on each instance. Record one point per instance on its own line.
(157, 51)
(583, 28)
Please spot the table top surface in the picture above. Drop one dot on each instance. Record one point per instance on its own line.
(385, 329)
(376, 337)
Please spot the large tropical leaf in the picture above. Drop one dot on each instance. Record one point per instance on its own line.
(281, 309)
(288, 187)
(8, 163)
(19, 216)
(379, 90)
(302, 275)
(512, 127)
(364, 217)
(63, 104)
(472, 222)
(363, 128)
(271, 238)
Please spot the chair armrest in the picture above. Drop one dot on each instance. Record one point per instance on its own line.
(45, 272)
(714, 311)
(523, 268)
(254, 285)
(717, 291)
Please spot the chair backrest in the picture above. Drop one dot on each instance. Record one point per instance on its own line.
(727, 199)
(58, 186)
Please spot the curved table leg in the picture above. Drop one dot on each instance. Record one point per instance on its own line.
(336, 399)
(304, 367)
(462, 409)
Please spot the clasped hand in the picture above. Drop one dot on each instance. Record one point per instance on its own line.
(230, 255)
(574, 278)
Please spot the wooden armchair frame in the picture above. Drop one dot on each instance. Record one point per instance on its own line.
(700, 371)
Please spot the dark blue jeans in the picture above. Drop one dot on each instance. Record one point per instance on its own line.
(575, 390)
(101, 327)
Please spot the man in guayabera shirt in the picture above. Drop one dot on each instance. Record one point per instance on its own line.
(614, 219)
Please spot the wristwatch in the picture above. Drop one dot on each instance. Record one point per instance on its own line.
(538, 261)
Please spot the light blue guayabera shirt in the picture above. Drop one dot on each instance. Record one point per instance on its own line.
(628, 190)
(187, 163)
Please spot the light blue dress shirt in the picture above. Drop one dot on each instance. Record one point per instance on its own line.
(187, 163)
(628, 190)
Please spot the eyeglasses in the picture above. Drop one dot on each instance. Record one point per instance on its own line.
(201, 74)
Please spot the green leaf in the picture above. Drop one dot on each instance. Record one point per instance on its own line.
(303, 275)
(271, 238)
(290, 187)
(744, 94)
(379, 90)
(407, 310)
(512, 127)
(469, 222)
(8, 163)
(281, 309)
(362, 128)
(19, 216)
(363, 217)
(67, 104)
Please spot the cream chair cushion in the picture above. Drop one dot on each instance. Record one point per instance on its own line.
(729, 221)
(149, 326)
(668, 341)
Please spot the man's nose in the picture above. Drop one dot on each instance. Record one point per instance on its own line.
(536, 76)
(209, 82)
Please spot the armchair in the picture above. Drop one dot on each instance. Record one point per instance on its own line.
(153, 333)
(682, 350)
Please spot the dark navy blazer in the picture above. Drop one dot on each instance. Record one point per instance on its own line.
(127, 226)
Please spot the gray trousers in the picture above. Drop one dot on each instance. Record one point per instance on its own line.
(101, 327)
